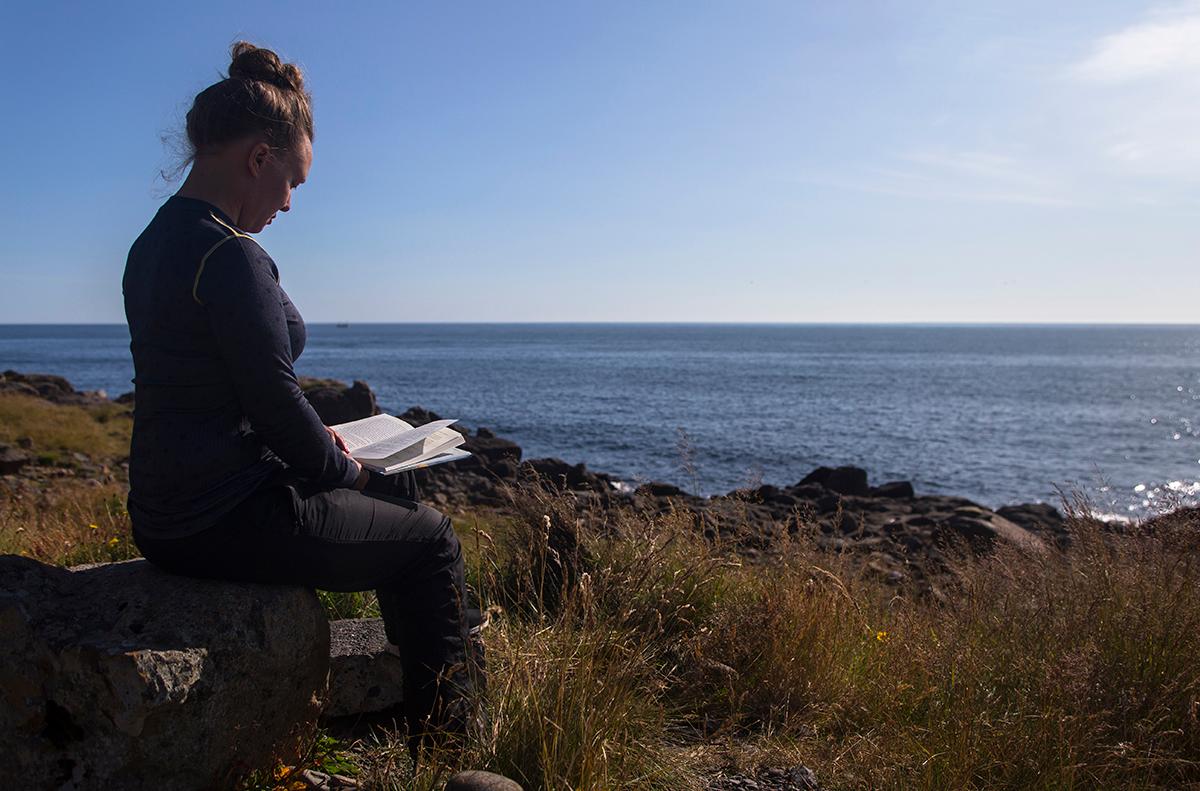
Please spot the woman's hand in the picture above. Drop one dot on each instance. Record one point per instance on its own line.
(337, 440)
(363, 475)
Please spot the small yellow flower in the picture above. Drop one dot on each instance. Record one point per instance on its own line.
(881, 636)
(94, 527)
(281, 772)
(112, 542)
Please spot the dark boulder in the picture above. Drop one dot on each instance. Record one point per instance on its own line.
(559, 473)
(658, 489)
(419, 416)
(808, 491)
(896, 490)
(336, 403)
(54, 389)
(12, 460)
(843, 480)
(828, 503)
(492, 450)
(116, 675)
(1034, 516)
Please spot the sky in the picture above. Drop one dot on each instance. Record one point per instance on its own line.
(885, 161)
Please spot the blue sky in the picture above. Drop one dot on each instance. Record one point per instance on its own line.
(667, 161)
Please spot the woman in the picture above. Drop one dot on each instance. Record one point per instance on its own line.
(232, 474)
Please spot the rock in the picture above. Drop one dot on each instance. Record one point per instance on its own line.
(848, 523)
(896, 490)
(475, 780)
(577, 477)
(419, 416)
(492, 450)
(843, 480)
(18, 388)
(988, 529)
(52, 388)
(118, 673)
(12, 460)
(364, 677)
(658, 489)
(1038, 517)
(336, 403)
(828, 503)
(125, 398)
(320, 781)
(807, 491)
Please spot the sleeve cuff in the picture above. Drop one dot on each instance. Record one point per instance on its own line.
(350, 478)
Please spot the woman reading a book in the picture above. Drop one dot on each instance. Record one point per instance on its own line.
(232, 474)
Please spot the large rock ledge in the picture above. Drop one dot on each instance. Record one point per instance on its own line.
(122, 676)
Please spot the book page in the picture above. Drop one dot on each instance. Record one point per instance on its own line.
(399, 442)
(440, 457)
(441, 439)
(361, 433)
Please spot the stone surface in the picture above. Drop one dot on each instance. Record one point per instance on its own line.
(336, 403)
(320, 781)
(476, 780)
(12, 460)
(364, 677)
(901, 490)
(843, 480)
(50, 387)
(121, 676)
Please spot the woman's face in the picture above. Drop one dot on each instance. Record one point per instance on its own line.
(279, 172)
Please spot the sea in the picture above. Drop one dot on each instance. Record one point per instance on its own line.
(998, 414)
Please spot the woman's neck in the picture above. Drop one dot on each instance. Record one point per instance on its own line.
(207, 183)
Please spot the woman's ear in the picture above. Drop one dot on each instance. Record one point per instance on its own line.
(259, 155)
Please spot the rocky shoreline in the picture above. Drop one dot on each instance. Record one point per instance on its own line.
(899, 534)
(892, 533)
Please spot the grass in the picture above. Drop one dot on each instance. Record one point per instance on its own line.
(71, 523)
(101, 431)
(626, 639)
(628, 651)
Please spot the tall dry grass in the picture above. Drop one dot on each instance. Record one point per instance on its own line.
(623, 638)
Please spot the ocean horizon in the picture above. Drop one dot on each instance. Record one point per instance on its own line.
(1000, 413)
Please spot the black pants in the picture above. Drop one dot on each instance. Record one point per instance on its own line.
(344, 540)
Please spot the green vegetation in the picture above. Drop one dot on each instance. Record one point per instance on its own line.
(628, 652)
(100, 431)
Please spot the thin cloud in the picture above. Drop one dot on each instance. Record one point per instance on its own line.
(961, 176)
(1137, 92)
(1168, 44)
(920, 185)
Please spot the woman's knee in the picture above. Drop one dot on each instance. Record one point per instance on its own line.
(449, 545)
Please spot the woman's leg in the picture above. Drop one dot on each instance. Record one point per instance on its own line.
(344, 540)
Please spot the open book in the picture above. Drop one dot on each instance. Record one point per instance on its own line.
(387, 445)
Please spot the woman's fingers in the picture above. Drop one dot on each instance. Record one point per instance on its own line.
(337, 440)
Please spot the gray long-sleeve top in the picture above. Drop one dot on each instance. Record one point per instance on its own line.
(217, 409)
